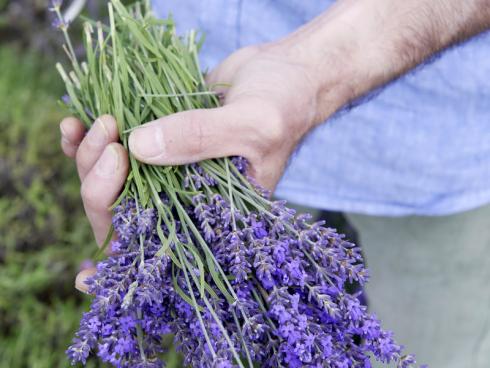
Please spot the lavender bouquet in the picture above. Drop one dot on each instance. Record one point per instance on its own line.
(201, 252)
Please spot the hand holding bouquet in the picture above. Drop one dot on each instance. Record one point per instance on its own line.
(201, 251)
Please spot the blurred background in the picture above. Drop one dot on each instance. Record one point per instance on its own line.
(44, 236)
(43, 233)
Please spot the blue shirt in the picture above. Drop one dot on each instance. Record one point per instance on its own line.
(421, 146)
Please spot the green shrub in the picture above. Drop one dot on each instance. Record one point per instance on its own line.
(44, 234)
(43, 231)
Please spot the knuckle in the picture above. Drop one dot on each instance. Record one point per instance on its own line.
(255, 50)
(271, 133)
(243, 53)
(69, 151)
(90, 196)
(83, 163)
(248, 51)
(193, 134)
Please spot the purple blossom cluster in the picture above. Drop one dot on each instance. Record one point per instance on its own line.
(283, 302)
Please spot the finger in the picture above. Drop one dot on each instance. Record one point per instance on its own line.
(69, 149)
(191, 136)
(103, 132)
(101, 187)
(218, 83)
(267, 173)
(219, 80)
(82, 277)
(72, 133)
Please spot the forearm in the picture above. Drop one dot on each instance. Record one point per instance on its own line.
(357, 46)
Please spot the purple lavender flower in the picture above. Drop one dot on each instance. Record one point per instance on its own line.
(66, 99)
(288, 305)
(200, 251)
(60, 23)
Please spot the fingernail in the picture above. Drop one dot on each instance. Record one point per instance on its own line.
(147, 142)
(98, 134)
(63, 134)
(80, 284)
(108, 162)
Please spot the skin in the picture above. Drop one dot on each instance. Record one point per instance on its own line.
(279, 92)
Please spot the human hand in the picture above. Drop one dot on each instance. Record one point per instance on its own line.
(269, 106)
(266, 111)
(102, 165)
(278, 93)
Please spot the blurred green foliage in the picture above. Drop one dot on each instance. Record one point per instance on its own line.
(43, 232)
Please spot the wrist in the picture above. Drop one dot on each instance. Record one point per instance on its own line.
(330, 49)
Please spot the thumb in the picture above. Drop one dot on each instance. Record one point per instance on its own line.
(189, 136)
